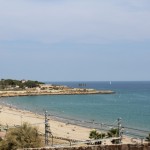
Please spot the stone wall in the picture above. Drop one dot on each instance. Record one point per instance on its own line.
(104, 147)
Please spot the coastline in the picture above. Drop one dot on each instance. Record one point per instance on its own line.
(13, 117)
(46, 92)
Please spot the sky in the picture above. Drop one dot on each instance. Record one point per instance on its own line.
(75, 40)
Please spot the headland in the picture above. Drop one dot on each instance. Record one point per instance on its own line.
(11, 88)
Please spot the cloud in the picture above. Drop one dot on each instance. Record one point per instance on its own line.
(75, 21)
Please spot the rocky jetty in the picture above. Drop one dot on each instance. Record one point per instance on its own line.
(11, 88)
(52, 90)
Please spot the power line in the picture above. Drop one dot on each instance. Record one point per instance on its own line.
(99, 123)
(90, 124)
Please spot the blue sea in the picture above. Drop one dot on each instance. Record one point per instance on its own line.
(131, 102)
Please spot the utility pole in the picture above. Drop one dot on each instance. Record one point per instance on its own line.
(119, 128)
(0, 121)
(21, 119)
(47, 130)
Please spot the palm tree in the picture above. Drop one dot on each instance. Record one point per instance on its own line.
(148, 138)
(96, 135)
(24, 136)
(113, 133)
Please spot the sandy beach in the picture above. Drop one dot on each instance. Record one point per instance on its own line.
(12, 117)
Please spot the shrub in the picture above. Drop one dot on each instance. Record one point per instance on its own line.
(24, 136)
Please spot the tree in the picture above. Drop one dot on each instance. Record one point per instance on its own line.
(96, 135)
(13, 83)
(24, 136)
(148, 138)
(113, 133)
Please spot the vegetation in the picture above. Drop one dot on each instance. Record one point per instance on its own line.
(148, 138)
(96, 135)
(113, 133)
(9, 83)
(24, 136)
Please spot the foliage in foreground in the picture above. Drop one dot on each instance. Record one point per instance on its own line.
(25, 136)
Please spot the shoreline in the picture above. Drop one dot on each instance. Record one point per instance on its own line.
(14, 116)
(102, 126)
(67, 130)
